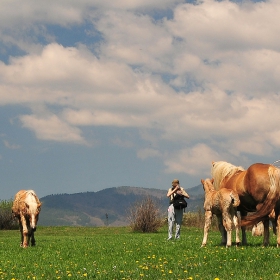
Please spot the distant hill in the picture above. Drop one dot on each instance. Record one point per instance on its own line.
(106, 207)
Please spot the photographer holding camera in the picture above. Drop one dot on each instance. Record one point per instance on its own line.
(174, 214)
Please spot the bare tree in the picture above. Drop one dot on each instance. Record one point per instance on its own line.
(144, 216)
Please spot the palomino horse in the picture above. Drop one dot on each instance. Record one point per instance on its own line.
(222, 203)
(26, 207)
(258, 188)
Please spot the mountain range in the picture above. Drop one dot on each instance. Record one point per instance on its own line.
(108, 207)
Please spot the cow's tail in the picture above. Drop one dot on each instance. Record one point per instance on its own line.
(270, 201)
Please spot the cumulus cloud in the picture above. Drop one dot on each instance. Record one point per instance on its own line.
(52, 128)
(204, 79)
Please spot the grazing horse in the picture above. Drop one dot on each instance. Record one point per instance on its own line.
(222, 203)
(258, 188)
(26, 207)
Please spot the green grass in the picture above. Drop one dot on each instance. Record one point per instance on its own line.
(117, 253)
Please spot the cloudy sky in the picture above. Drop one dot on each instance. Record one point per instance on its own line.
(99, 94)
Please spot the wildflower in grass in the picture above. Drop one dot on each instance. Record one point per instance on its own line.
(216, 278)
(170, 271)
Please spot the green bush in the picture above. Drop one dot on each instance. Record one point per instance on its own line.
(7, 220)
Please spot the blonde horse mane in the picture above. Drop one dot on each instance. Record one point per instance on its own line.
(221, 169)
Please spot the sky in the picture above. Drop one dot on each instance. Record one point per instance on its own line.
(101, 94)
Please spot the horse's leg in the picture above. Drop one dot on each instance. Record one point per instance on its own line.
(243, 229)
(24, 231)
(228, 238)
(207, 223)
(21, 232)
(222, 230)
(228, 223)
(236, 225)
(277, 220)
(32, 238)
(266, 232)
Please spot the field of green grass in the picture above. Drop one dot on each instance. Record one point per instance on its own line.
(117, 253)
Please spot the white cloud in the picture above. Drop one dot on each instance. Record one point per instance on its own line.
(195, 161)
(207, 75)
(52, 128)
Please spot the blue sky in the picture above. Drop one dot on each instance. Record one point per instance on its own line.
(100, 94)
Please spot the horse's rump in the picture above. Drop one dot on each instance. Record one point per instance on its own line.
(272, 195)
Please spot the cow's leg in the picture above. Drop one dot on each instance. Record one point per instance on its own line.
(207, 223)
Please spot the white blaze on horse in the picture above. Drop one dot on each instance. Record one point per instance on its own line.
(26, 208)
(221, 203)
(258, 188)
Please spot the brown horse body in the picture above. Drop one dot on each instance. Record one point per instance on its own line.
(26, 208)
(258, 188)
(222, 203)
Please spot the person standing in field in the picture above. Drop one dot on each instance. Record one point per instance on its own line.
(175, 215)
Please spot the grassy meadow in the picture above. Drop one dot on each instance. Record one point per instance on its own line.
(117, 253)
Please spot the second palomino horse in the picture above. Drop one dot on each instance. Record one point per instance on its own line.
(222, 203)
(26, 207)
(258, 188)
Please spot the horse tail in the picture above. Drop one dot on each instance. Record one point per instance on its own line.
(270, 201)
(234, 199)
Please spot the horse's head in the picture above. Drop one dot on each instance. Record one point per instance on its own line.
(32, 213)
(207, 184)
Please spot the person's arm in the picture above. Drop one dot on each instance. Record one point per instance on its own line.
(183, 192)
(172, 191)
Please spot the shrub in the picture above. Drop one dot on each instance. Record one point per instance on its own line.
(197, 219)
(144, 216)
(7, 220)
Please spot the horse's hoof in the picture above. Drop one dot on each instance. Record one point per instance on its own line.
(238, 244)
